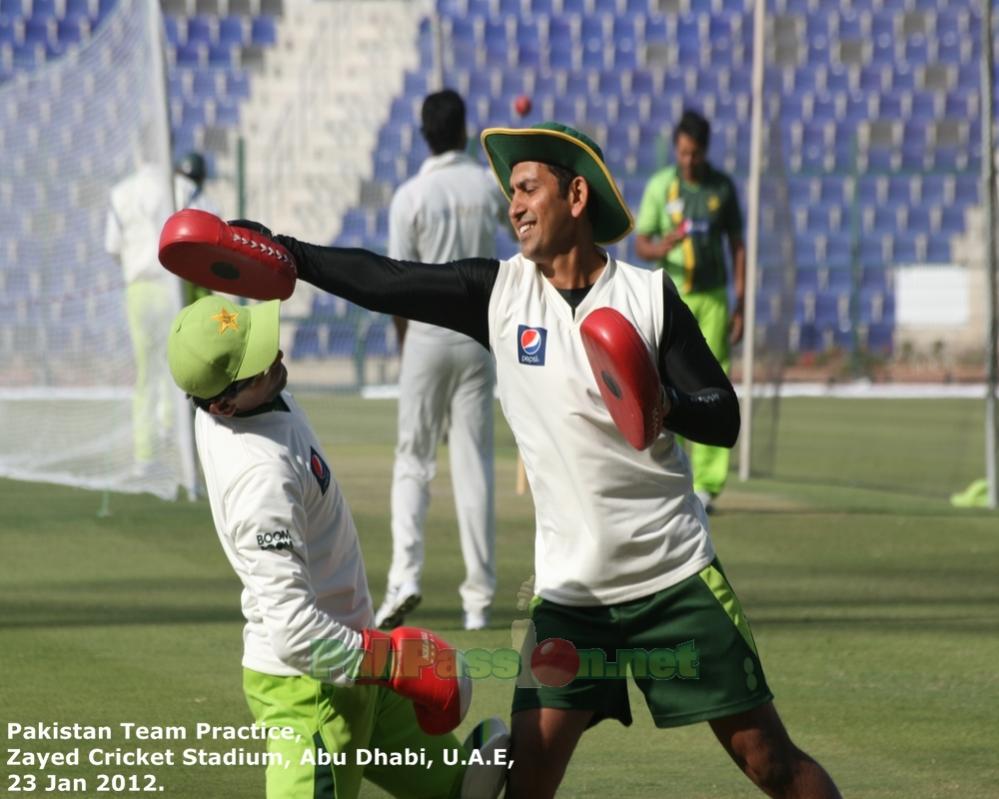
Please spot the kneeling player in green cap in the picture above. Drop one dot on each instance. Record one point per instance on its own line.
(341, 701)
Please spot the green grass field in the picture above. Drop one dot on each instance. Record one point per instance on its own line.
(874, 605)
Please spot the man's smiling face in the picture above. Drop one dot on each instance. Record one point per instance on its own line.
(540, 214)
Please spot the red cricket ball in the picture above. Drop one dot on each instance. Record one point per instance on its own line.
(555, 662)
(522, 105)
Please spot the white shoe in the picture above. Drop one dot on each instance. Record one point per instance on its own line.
(706, 501)
(476, 620)
(397, 603)
(486, 773)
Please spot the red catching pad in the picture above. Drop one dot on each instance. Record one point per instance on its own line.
(626, 375)
(200, 247)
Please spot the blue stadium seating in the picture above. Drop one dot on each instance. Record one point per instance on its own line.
(80, 9)
(593, 62)
(880, 337)
(306, 341)
(232, 31)
(200, 30)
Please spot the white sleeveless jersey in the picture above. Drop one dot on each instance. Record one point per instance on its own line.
(613, 524)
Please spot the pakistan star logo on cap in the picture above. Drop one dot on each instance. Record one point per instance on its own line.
(226, 320)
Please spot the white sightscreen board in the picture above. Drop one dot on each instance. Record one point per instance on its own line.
(932, 295)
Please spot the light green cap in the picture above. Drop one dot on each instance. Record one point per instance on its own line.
(214, 342)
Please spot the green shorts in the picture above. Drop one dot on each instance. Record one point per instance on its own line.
(340, 735)
(688, 648)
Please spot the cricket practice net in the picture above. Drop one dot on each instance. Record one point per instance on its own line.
(85, 399)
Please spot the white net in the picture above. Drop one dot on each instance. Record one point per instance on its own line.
(85, 393)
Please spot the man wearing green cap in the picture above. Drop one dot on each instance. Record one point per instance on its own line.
(311, 672)
(623, 557)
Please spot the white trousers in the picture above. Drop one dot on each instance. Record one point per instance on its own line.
(442, 383)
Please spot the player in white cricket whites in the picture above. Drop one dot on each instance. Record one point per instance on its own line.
(311, 661)
(623, 556)
(448, 211)
(139, 205)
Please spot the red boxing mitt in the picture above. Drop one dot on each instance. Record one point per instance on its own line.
(626, 375)
(422, 667)
(200, 247)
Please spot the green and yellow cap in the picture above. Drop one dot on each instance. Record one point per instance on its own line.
(555, 143)
(214, 342)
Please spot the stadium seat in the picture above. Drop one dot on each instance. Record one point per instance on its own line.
(926, 105)
(952, 219)
(227, 113)
(39, 30)
(27, 55)
(936, 189)
(960, 104)
(809, 338)
(379, 341)
(917, 219)
(341, 338)
(873, 251)
(938, 249)
(879, 337)
(899, 190)
(222, 56)
(205, 85)
(190, 55)
(357, 222)
(237, 84)
(904, 249)
(881, 220)
(263, 30)
(839, 251)
(967, 187)
(200, 30)
(306, 341)
(913, 156)
(232, 31)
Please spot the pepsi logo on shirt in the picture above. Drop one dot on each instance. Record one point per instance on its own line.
(531, 343)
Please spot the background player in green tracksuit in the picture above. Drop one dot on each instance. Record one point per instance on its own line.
(687, 210)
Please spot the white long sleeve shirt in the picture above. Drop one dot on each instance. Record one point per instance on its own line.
(140, 205)
(449, 210)
(287, 532)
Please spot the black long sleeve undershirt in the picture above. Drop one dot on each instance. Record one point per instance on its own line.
(456, 295)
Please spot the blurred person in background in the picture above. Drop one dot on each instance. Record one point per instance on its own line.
(687, 212)
(189, 177)
(448, 211)
(139, 205)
